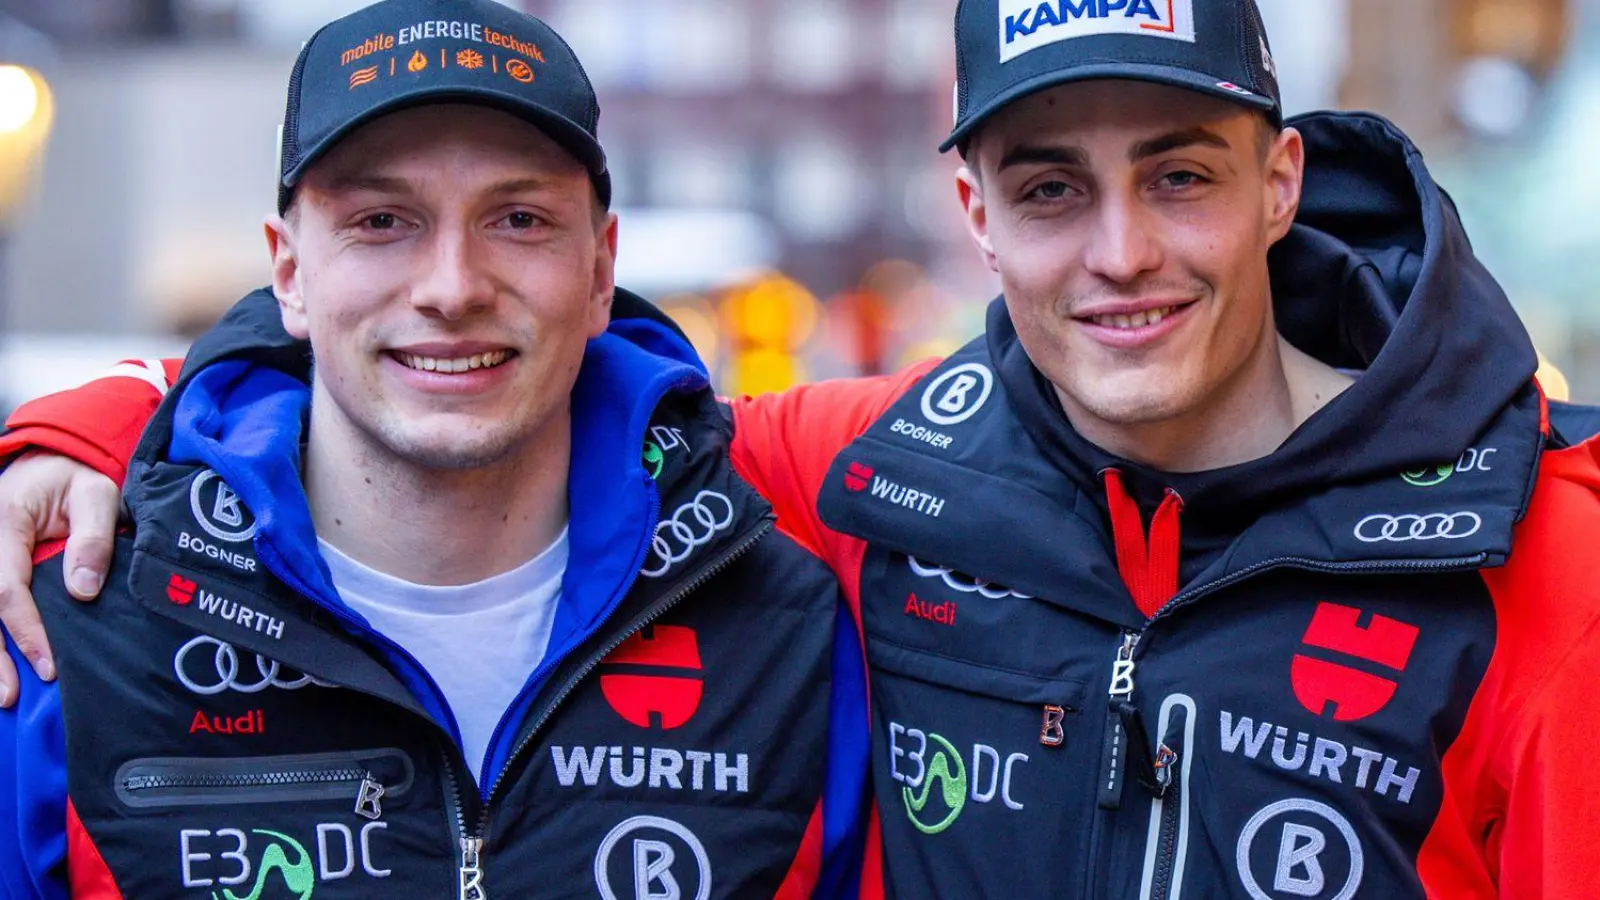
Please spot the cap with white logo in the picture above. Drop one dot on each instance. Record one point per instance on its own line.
(1008, 49)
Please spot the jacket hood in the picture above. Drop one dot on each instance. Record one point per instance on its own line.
(1376, 275)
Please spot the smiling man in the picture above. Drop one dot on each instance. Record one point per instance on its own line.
(1241, 557)
(407, 617)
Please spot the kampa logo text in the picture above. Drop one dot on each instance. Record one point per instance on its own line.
(1030, 24)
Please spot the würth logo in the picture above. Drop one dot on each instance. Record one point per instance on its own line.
(654, 677)
(857, 477)
(180, 590)
(1351, 693)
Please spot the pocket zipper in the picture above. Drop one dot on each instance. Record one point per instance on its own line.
(366, 777)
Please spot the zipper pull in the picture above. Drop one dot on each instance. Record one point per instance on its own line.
(472, 870)
(1145, 768)
(1122, 669)
(369, 798)
(1166, 765)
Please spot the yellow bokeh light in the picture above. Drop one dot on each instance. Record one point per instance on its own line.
(765, 371)
(19, 98)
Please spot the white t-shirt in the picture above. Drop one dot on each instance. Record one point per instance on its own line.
(480, 642)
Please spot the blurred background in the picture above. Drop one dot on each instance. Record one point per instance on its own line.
(774, 162)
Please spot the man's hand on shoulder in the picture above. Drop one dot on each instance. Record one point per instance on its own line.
(45, 497)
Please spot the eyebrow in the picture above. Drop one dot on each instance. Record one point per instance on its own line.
(1036, 154)
(1177, 140)
(355, 182)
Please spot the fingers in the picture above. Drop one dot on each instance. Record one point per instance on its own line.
(93, 504)
(18, 526)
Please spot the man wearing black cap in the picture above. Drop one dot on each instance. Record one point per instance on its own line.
(415, 616)
(1242, 556)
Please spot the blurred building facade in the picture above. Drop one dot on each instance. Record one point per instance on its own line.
(774, 160)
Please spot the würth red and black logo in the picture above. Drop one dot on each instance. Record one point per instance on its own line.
(180, 590)
(654, 679)
(1351, 677)
(858, 477)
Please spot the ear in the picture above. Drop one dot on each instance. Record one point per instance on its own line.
(1285, 177)
(970, 190)
(605, 276)
(286, 277)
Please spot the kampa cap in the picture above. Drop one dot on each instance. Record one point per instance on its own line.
(1008, 49)
(402, 53)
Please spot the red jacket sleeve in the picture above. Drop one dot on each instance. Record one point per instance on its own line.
(1519, 790)
(784, 443)
(98, 424)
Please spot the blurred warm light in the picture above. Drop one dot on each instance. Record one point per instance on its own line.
(26, 114)
(19, 98)
(774, 311)
(893, 277)
(934, 348)
(765, 371)
(698, 319)
(1553, 381)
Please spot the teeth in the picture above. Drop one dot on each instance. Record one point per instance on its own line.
(453, 366)
(1137, 320)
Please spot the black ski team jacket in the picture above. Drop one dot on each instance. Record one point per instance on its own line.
(1358, 668)
(224, 727)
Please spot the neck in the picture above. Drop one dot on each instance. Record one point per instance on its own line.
(1246, 419)
(431, 526)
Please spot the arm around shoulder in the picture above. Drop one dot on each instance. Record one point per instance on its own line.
(98, 424)
(784, 443)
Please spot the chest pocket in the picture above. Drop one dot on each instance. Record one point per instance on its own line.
(973, 763)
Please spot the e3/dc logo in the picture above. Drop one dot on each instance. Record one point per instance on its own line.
(958, 394)
(938, 764)
(1352, 693)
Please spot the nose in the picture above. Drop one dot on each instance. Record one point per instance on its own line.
(453, 280)
(1122, 246)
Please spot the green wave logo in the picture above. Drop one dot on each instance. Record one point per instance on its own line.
(299, 876)
(654, 459)
(952, 789)
(1429, 476)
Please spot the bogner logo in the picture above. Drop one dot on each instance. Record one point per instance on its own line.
(1350, 693)
(956, 396)
(1027, 25)
(652, 858)
(217, 509)
(654, 677)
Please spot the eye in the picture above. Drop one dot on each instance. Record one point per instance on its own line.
(1050, 190)
(522, 220)
(381, 221)
(1182, 179)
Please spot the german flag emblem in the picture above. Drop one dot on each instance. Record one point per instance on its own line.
(363, 76)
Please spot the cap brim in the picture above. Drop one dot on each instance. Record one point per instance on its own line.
(571, 136)
(1168, 75)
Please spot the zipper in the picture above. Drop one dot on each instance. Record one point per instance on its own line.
(1166, 849)
(471, 869)
(1184, 598)
(1114, 747)
(365, 777)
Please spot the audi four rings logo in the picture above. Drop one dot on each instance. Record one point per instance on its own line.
(693, 525)
(224, 674)
(1430, 527)
(963, 583)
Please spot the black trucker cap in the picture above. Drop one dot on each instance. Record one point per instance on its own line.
(403, 53)
(1008, 49)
